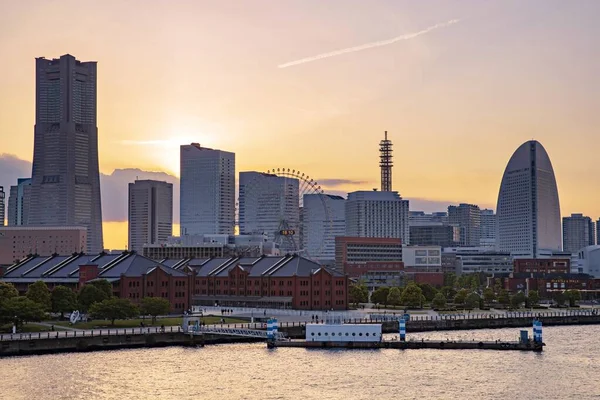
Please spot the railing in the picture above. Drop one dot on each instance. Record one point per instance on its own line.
(89, 333)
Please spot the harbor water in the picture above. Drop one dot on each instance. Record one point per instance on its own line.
(566, 369)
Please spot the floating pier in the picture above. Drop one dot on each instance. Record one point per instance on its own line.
(369, 336)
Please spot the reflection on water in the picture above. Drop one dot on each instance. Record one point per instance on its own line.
(568, 368)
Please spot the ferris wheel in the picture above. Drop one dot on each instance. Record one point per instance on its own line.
(273, 203)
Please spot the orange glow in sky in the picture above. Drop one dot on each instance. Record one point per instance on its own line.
(456, 101)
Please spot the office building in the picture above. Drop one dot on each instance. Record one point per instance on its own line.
(18, 202)
(434, 235)
(207, 191)
(528, 210)
(65, 181)
(578, 232)
(150, 213)
(270, 204)
(2, 205)
(355, 256)
(420, 218)
(422, 258)
(377, 214)
(488, 229)
(480, 259)
(468, 218)
(324, 218)
(18, 242)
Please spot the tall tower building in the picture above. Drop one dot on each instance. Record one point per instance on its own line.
(18, 202)
(150, 213)
(207, 191)
(488, 228)
(528, 210)
(468, 218)
(386, 164)
(377, 214)
(324, 218)
(270, 204)
(2, 205)
(65, 181)
(578, 232)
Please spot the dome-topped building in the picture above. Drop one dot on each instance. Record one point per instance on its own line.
(528, 209)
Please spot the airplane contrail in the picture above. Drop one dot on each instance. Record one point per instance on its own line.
(406, 36)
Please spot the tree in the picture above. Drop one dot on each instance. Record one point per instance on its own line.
(448, 292)
(88, 295)
(103, 285)
(411, 296)
(380, 296)
(39, 293)
(449, 279)
(428, 291)
(533, 298)
(503, 297)
(573, 296)
(154, 306)
(559, 298)
(439, 301)
(21, 309)
(358, 293)
(461, 296)
(517, 299)
(488, 295)
(472, 300)
(394, 296)
(63, 300)
(7, 291)
(114, 308)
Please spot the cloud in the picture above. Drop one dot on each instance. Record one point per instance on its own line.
(368, 45)
(339, 182)
(427, 205)
(12, 168)
(113, 187)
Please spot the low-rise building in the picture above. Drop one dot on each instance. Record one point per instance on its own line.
(434, 235)
(422, 258)
(17, 242)
(481, 259)
(545, 265)
(588, 261)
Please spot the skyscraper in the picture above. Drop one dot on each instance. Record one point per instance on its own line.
(377, 214)
(468, 218)
(207, 191)
(270, 204)
(150, 213)
(528, 210)
(2, 207)
(324, 218)
(65, 181)
(578, 232)
(18, 202)
(488, 228)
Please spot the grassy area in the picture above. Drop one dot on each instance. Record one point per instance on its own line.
(135, 323)
(26, 328)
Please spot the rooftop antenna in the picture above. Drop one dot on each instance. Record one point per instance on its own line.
(385, 163)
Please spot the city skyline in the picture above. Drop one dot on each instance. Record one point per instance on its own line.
(497, 97)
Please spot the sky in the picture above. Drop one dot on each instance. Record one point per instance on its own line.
(312, 85)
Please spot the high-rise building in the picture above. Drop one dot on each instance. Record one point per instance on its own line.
(2, 205)
(578, 232)
(270, 204)
(420, 218)
(150, 213)
(377, 214)
(488, 228)
(324, 218)
(468, 218)
(65, 180)
(528, 210)
(598, 231)
(18, 202)
(207, 191)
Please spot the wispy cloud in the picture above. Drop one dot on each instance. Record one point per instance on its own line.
(339, 182)
(368, 45)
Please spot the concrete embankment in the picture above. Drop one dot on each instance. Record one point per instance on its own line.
(44, 343)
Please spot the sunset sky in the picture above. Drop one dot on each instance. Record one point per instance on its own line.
(456, 100)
